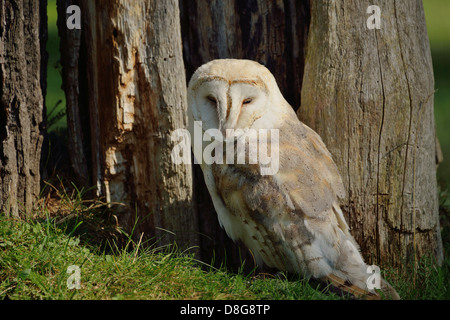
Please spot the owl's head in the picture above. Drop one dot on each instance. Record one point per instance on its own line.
(233, 94)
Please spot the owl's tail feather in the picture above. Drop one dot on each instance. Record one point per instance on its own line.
(347, 287)
(360, 293)
(389, 291)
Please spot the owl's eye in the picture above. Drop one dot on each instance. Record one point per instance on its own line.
(212, 99)
(247, 101)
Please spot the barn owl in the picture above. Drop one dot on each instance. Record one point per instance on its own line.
(290, 220)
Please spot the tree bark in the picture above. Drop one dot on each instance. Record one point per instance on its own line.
(23, 63)
(369, 95)
(137, 98)
(270, 32)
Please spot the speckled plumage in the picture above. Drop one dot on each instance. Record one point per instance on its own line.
(290, 220)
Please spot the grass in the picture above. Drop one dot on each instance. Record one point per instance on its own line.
(67, 230)
(35, 255)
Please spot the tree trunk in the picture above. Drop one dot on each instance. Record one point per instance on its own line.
(369, 95)
(270, 32)
(23, 63)
(137, 98)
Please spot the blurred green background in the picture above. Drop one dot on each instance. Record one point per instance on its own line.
(55, 99)
(438, 25)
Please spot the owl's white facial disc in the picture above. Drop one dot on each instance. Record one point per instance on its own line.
(228, 105)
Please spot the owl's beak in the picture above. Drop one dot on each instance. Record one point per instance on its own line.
(227, 133)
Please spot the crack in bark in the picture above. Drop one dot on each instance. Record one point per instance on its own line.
(377, 232)
(410, 120)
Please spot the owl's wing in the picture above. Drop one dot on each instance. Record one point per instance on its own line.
(307, 172)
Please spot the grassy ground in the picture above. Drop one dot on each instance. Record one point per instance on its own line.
(67, 230)
(35, 255)
(38, 271)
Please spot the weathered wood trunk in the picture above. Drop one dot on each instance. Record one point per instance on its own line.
(137, 98)
(270, 32)
(23, 63)
(369, 94)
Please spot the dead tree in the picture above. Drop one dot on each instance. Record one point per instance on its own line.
(23, 69)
